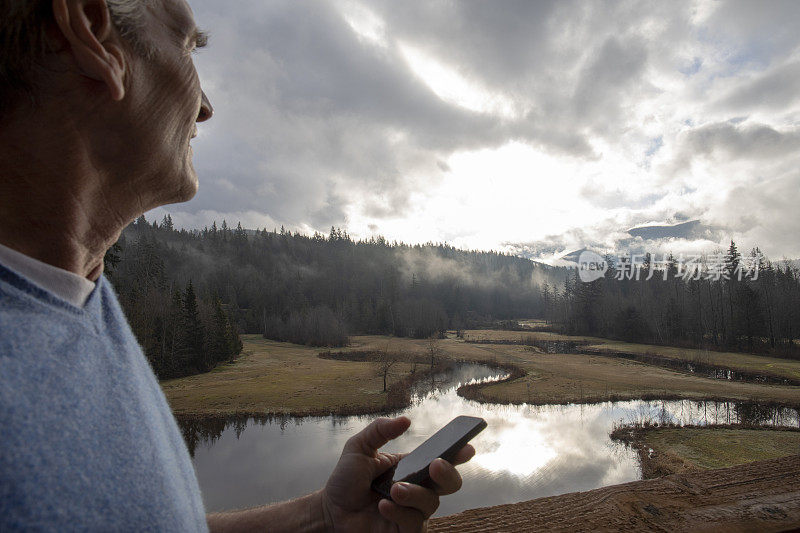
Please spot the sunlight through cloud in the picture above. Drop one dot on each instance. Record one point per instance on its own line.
(520, 450)
(364, 22)
(454, 88)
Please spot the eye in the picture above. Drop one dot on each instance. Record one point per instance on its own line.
(200, 40)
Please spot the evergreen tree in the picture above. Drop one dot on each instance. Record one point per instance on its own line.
(112, 258)
(192, 335)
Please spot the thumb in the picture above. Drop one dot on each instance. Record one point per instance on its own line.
(375, 435)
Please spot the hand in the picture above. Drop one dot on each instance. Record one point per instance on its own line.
(349, 503)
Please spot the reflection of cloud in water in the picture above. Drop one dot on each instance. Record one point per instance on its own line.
(518, 448)
(525, 452)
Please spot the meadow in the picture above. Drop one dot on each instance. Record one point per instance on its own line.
(281, 378)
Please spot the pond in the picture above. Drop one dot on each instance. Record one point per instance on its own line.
(525, 452)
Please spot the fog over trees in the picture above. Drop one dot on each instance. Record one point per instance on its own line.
(189, 294)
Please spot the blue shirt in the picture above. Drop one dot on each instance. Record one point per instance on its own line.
(87, 439)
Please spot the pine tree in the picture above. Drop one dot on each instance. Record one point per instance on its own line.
(223, 342)
(732, 259)
(112, 258)
(731, 269)
(192, 337)
(239, 235)
(175, 360)
(225, 230)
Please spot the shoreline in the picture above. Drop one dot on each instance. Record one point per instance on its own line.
(533, 379)
(469, 392)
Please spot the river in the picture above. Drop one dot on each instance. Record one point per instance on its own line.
(525, 452)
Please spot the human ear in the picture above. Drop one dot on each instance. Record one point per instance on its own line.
(86, 26)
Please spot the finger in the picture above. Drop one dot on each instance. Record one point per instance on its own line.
(375, 435)
(425, 500)
(446, 478)
(384, 461)
(408, 520)
(464, 454)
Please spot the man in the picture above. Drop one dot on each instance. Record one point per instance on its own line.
(98, 104)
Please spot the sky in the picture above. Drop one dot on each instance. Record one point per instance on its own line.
(535, 128)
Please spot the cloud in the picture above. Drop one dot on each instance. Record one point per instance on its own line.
(521, 126)
(740, 141)
(775, 90)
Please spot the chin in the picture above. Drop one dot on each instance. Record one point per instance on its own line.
(189, 182)
(189, 188)
(185, 188)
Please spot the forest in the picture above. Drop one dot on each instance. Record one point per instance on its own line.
(188, 294)
(698, 307)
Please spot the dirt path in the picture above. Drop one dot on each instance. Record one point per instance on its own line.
(762, 496)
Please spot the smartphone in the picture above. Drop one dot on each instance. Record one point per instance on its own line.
(445, 443)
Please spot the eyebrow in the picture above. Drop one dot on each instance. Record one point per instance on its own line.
(200, 38)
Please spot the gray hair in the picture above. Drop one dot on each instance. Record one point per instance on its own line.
(23, 41)
(128, 18)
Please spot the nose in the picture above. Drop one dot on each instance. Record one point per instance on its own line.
(206, 111)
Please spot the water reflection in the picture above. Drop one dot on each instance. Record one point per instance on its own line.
(526, 451)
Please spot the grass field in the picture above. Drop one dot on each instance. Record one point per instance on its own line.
(674, 450)
(574, 378)
(277, 377)
(577, 378)
(720, 448)
(733, 360)
(273, 377)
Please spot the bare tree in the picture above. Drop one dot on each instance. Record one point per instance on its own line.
(386, 362)
(434, 351)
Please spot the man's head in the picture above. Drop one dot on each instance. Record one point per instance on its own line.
(117, 80)
(23, 34)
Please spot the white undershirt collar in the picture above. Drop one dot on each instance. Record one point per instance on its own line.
(66, 285)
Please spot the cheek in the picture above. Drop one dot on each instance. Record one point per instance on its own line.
(174, 101)
(191, 87)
